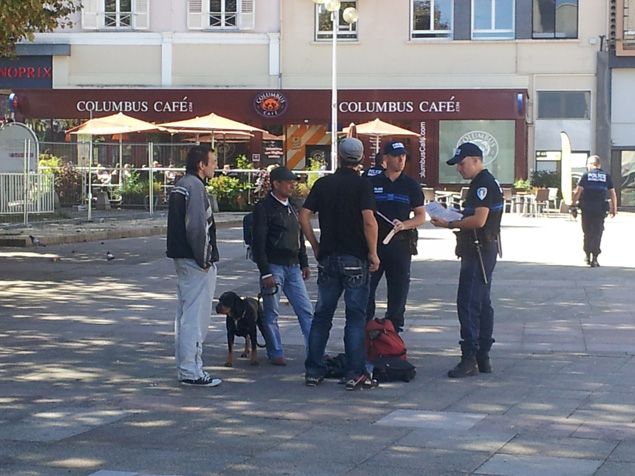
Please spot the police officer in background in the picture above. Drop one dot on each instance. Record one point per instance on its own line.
(593, 190)
(396, 196)
(477, 246)
(376, 169)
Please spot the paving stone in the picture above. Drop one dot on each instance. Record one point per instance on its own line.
(460, 441)
(616, 469)
(439, 420)
(581, 448)
(544, 465)
(425, 460)
(58, 423)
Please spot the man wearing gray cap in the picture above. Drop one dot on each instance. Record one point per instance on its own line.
(346, 253)
(477, 246)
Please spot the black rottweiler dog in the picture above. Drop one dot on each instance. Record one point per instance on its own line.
(243, 317)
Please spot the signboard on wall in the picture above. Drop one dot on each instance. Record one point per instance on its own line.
(26, 72)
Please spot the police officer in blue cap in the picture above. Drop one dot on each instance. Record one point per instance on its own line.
(477, 246)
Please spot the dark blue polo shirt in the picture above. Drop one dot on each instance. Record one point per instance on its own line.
(485, 191)
(395, 200)
(595, 185)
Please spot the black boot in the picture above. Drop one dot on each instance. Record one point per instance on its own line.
(587, 260)
(594, 261)
(484, 362)
(466, 367)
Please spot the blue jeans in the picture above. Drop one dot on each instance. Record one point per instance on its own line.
(289, 278)
(337, 274)
(395, 261)
(476, 314)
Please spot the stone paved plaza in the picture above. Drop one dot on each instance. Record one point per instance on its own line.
(87, 384)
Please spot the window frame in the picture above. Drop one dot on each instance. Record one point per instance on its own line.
(118, 16)
(510, 33)
(346, 32)
(223, 16)
(555, 35)
(431, 33)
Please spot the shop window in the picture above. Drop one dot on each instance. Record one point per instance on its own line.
(495, 138)
(555, 19)
(627, 180)
(492, 19)
(564, 104)
(430, 18)
(115, 14)
(628, 33)
(220, 14)
(324, 24)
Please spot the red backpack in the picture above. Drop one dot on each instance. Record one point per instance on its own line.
(383, 341)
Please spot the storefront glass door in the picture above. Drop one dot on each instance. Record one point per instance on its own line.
(627, 179)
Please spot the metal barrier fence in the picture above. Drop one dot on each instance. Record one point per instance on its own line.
(37, 192)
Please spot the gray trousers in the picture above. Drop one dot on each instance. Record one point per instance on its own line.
(194, 291)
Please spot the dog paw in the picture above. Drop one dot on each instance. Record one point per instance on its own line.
(229, 364)
(253, 362)
(244, 354)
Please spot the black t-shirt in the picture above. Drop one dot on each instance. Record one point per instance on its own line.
(485, 191)
(595, 184)
(339, 200)
(395, 200)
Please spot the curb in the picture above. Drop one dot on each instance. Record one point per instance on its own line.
(22, 239)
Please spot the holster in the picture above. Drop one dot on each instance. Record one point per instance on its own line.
(464, 243)
(413, 239)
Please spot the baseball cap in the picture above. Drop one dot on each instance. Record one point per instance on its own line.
(467, 149)
(281, 174)
(351, 150)
(395, 147)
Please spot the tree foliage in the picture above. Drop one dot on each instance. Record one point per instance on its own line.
(21, 19)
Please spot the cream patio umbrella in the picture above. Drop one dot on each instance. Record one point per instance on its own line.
(378, 128)
(212, 124)
(115, 124)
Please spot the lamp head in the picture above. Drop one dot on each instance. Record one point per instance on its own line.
(350, 15)
(332, 5)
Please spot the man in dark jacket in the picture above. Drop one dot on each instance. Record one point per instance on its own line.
(279, 250)
(191, 243)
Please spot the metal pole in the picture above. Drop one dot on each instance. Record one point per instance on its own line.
(150, 178)
(120, 162)
(335, 19)
(25, 197)
(90, 180)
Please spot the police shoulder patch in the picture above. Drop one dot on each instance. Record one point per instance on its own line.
(481, 193)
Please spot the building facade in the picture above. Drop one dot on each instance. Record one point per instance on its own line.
(508, 74)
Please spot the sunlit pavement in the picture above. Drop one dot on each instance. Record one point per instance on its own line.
(87, 384)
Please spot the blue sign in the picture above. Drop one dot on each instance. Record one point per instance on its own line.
(27, 72)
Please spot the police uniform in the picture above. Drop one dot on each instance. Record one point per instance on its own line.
(474, 307)
(595, 185)
(396, 200)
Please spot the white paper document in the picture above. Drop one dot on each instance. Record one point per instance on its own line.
(436, 210)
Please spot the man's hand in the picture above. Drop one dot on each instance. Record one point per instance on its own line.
(440, 222)
(316, 251)
(306, 273)
(373, 262)
(398, 225)
(269, 282)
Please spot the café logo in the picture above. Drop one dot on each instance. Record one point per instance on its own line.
(486, 141)
(270, 104)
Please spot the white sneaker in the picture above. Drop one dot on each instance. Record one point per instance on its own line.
(206, 381)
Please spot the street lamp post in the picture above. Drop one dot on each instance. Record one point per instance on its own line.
(350, 17)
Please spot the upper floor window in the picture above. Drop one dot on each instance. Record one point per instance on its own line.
(629, 22)
(324, 24)
(564, 104)
(115, 14)
(555, 19)
(492, 19)
(220, 14)
(118, 14)
(431, 18)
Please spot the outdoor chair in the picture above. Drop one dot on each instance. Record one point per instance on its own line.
(508, 200)
(428, 194)
(542, 201)
(553, 199)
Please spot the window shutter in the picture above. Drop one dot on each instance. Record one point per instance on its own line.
(141, 14)
(247, 16)
(195, 15)
(90, 14)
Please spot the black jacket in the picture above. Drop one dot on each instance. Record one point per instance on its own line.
(277, 237)
(191, 226)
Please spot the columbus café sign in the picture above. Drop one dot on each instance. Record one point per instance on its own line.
(114, 106)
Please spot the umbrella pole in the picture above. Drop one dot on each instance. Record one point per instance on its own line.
(120, 163)
(90, 181)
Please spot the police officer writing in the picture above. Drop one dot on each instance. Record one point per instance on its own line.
(396, 196)
(477, 246)
(593, 190)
